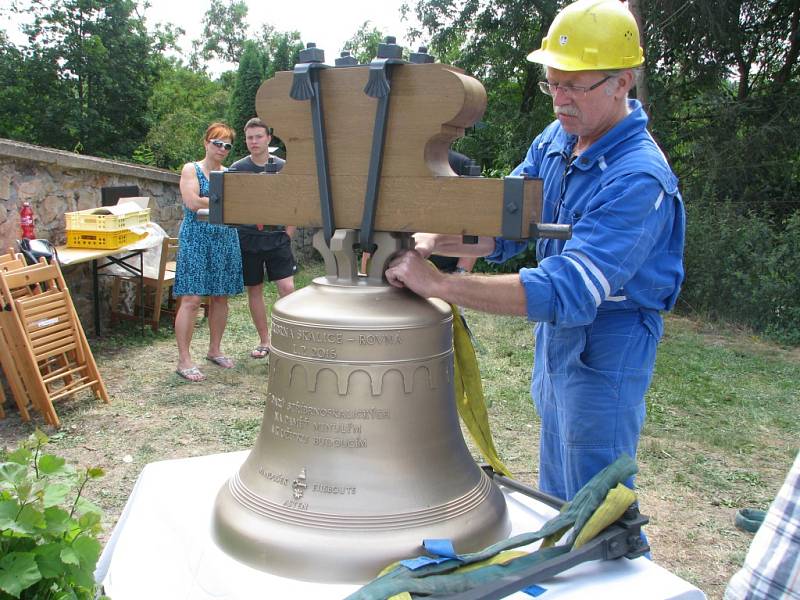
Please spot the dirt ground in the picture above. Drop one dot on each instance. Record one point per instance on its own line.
(153, 415)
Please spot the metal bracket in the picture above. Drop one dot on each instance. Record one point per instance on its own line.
(216, 184)
(513, 228)
(378, 86)
(421, 56)
(345, 60)
(389, 243)
(341, 265)
(342, 247)
(305, 86)
(550, 230)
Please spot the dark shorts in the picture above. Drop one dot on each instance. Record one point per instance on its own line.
(277, 263)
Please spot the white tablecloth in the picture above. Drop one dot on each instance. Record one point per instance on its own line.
(161, 548)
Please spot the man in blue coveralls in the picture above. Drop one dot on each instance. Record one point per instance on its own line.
(596, 297)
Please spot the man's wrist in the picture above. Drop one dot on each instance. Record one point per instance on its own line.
(460, 271)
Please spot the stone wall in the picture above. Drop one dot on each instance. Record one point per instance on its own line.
(56, 181)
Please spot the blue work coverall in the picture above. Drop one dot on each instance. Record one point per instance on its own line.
(596, 297)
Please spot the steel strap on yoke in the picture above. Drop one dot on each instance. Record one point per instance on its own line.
(378, 86)
(305, 86)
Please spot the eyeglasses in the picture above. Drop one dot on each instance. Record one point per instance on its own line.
(221, 144)
(571, 91)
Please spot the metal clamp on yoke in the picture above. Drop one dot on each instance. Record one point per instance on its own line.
(378, 86)
(305, 86)
(512, 226)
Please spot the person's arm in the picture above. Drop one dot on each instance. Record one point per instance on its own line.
(451, 245)
(499, 294)
(190, 189)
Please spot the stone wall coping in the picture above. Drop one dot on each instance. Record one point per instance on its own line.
(70, 160)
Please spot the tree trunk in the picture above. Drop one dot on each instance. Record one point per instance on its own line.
(642, 91)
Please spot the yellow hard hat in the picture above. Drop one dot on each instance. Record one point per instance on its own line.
(591, 35)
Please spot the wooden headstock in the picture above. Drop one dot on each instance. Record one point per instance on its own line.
(430, 105)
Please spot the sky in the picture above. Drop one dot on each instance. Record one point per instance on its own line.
(327, 23)
(324, 22)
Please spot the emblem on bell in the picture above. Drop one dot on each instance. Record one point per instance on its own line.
(360, 455)
(299, 485)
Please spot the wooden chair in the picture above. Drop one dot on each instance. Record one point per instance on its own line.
(8, 347)
(49, 344)
(157, 290)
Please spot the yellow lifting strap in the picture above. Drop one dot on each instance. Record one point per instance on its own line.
(469, 393)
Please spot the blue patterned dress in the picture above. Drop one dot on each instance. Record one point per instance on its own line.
(209, 260)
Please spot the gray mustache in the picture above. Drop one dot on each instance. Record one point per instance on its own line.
(570, 111)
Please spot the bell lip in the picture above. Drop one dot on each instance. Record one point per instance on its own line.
(279, 554)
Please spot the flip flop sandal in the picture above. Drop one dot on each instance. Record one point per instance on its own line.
(192, 374)
(259, 352)
(221, 361)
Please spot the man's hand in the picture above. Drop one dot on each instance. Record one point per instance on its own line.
(410, 270)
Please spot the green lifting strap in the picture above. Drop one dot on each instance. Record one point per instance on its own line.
(470, 400)
(443, 577)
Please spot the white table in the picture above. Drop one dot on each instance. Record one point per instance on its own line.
(73, 256)
(161, 548)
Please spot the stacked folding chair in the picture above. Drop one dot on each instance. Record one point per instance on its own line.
(11, 262)
(48, 355)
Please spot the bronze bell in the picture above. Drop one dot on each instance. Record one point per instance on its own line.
(360, 455)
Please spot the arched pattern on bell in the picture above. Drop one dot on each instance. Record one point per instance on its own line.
(360, 455)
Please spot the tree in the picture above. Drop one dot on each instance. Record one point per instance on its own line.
(224, 33)
(725, 84)
(251, 74)
(491, 40)
(642, 87)
(363, 46)
(182, 105)
(282, 49)
(86, 74)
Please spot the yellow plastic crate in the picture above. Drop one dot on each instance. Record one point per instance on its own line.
(102, 240)
(102, 219)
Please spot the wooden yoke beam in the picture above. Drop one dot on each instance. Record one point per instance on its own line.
(430, 106)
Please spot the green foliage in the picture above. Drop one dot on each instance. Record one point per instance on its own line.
(490, 41)
(144, 155)
(242, 107)
(224, 33)
(743, 269)
(282, 49)
(363, 46)
(83, 79)
(274, 51)
(48, 532)
(182, 106)
(724, 82)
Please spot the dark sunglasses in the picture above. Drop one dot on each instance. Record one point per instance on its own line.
(221, 144)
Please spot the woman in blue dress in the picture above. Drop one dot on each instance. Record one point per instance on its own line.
(209, 260)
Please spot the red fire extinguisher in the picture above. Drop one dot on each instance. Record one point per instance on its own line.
(26, 221)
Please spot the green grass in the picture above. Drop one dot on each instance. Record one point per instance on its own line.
(724, 396)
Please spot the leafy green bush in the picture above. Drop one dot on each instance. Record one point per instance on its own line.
(48, 532)
(512, 265)
(744, 269)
